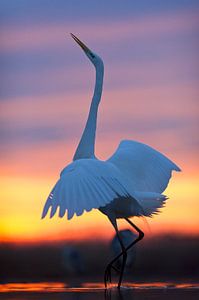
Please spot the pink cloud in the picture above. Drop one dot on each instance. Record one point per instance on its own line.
(138, 103)
(39, 36)
(68, 113)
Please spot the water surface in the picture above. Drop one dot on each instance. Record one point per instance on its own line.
(96, 291)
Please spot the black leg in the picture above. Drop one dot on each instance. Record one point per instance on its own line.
(123, 260)
(141, 233)
(107, 275)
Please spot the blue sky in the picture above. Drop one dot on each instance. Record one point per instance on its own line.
(26, 12)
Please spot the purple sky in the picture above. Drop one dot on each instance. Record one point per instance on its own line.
(150, 52)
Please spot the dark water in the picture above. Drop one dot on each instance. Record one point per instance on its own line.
(95, 291)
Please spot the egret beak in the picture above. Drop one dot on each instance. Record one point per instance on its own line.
(84, 47)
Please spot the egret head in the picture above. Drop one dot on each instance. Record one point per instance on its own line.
(94, 58)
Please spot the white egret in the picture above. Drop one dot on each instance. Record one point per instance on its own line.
(130, 183)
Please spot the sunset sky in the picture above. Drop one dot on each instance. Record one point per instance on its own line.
(150, 51)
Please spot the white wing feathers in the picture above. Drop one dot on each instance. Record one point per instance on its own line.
(147, 169)
(83, 185)
(135, 170)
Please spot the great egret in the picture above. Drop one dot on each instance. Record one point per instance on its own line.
(130, 183)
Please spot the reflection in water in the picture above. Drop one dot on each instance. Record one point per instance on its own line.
(96, 291)
(33, 287)
(115, 294)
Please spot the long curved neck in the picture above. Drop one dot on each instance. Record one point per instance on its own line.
(86, 147)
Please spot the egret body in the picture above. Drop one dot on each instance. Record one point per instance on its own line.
(130, 183)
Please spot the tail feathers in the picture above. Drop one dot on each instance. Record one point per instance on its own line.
(150, 203)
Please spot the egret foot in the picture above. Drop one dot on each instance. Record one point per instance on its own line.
(108, 275)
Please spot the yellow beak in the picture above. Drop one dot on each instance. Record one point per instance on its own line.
(82, 45)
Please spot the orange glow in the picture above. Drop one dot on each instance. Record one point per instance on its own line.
(24, 199)
(33, 287)
(47, 287)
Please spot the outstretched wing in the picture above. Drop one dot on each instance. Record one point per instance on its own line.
(147, 169)
(83, 185)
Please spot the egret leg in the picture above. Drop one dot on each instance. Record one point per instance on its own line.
(107, 275)
(110, 265)
(140, 232)
(123, 260)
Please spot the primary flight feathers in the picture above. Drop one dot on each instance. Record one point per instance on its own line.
(147, 169)
(135, 170)
(83, 185)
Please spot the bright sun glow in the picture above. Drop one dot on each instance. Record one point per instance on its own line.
(24, 199)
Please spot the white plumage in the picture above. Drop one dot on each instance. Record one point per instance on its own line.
(130, 183)
(147, 169)
(86, 184)
(134, 171)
